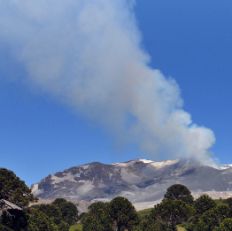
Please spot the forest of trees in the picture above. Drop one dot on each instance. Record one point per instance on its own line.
(177, 211)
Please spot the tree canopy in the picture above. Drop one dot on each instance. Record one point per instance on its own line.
(172, 213)
(98, 216)
(204, 203)
(179, 192)
(39, 221)
(123, 213)
(13, 189)
(69, 212)
(57, 216)
(226, 225)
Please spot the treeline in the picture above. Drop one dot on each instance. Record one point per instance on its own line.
(178, 208)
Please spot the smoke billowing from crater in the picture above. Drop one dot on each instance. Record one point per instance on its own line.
(88, 54)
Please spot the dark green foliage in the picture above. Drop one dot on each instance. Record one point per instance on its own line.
(39, 221)
(61, 214)
(228, 201)
(69, 212)
(172, 213)
(51, 211)
(13, 189)
(53, 214)
(204, 203)
(118, 214)
(97, 218)
(144, 213)
(212, 218)
(149, 224)
(179, 192)
(91, 223)
(63, 226)
(226, 225)
(123, 213)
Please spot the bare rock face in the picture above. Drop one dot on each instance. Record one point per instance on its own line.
(141, 181)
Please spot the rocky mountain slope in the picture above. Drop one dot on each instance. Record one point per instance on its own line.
(141, 181)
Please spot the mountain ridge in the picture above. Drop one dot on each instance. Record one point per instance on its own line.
(140, 180)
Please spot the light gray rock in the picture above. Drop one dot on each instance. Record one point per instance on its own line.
(140, 180)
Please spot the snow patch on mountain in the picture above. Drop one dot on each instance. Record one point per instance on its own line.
(163, 164)
(156, 164)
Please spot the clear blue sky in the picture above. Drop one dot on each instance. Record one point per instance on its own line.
(188, 40)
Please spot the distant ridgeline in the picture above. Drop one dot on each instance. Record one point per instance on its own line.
(143, 182)
(177, 211)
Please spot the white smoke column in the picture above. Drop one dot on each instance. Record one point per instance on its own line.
(88, 54)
